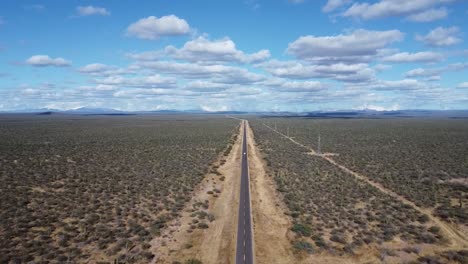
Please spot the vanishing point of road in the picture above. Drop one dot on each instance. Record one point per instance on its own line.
(244, 249)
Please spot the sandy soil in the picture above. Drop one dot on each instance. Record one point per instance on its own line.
(216, 244)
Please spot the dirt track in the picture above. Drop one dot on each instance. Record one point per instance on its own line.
(455, 237)
(217, 243)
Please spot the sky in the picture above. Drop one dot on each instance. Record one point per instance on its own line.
(245, 55)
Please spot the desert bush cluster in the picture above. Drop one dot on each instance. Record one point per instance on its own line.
(78, 189)
(424, 160)
(331, 210)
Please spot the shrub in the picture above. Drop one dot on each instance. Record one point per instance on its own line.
(338, 238)
(301, 229)
(303, 246)
(193, 261)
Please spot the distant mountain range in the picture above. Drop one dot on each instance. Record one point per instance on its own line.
(366, 113)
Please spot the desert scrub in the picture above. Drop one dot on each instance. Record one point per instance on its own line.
(331, 209)
(110, 183)
(424, 160)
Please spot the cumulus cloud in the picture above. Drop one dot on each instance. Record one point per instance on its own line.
(441, 37)
(463, 85)
(239, 76)
(206, 86)
(386, 8)
(429, 15)
(99, 69)
(204, 51)
(152, 81)
(393, 107)
(406, 57)
(94, 68)
(211, 108)
(98, 88)
(91, 11)
(340, 72)
(147, 55)
(405, 84)
(220, 73)
(190, 70)
(284, 85)
(358, 43)
(222, 50)
(153, 28)
(433, 73)
(332, 5)
(45, 61)
(420, 72)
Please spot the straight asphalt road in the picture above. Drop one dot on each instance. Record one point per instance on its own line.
(244, 249)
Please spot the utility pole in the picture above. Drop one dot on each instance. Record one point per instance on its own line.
(319, 150)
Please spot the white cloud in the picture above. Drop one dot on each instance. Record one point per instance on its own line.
(405, 84)
(94, 68)
(153, 28)
(206, 86)
(220, 73)
(429, 15)
(457, 66)
(216, 108)
(239, 76)
(358, 43)
(147, 55)
(99, 69)
(405, 57)
(334, 4)
(204, 50)
(433, 73)
(382, 67)
(152, 81)
(441, 37)
(340, 72)
(44, 61)
(190, 70)
(420, 72)
(92, 11)
(386, 8)
(463, 85)
(285, 85)
(393, 107)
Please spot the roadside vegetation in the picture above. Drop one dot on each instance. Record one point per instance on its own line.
(337, 213)
(424, 160)
(99, 189)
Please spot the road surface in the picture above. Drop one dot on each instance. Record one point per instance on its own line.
(244, 249)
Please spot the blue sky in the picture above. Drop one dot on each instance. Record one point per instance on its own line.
(234, 55)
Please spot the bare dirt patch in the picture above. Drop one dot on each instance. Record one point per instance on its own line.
(218, 196)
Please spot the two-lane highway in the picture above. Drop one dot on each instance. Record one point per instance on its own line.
(244, 250)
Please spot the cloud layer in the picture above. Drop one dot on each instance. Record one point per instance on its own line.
(92, 11)
(153, 28)
(379, 54)
(45, 61)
